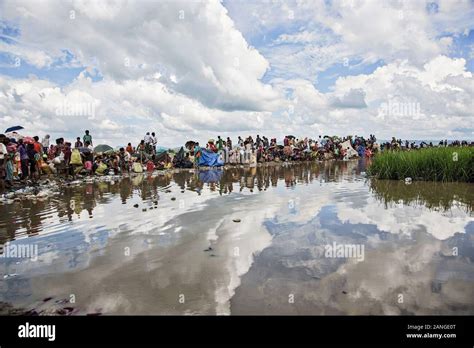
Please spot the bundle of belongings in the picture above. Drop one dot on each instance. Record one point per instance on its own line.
(137, 167)
(349, 151)
(210, 159)
(162, 156)
(181, 160)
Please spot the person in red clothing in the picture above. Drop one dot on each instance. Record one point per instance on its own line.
(37, 145)
(67, 153)
(52, 151)
(211, 146)
(150, 165)
(39, 150)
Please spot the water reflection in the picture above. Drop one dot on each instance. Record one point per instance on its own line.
(434, 195)
(30, 217)
(288, 213)
(429, 275)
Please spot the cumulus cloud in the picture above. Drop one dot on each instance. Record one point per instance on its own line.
(367, 30)
(187, 70)
(194, 44)
(116, 111)
(352, 99)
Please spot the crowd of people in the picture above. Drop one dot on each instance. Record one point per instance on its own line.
(398, 144)
(262, 149)
(25, 159)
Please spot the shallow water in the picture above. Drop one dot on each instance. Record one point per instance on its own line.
(186, 255)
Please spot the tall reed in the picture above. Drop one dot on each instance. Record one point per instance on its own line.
(431, 164)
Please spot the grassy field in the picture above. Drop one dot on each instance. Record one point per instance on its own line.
(430, 164)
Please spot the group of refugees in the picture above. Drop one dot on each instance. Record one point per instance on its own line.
(262, 149)
(398, 144)
(26, 158)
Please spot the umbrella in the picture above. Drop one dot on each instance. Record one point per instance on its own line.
(28, 140)
(103, 148)
(291, 136)
(83, 149)
(189, 144)
(14, 128)
(14, 135)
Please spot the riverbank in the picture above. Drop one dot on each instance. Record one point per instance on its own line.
(430, 164)
(51, 184)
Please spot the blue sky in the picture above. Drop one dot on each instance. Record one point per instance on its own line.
(189, 70)
(62, 74)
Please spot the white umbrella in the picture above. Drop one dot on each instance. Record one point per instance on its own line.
(14, 135)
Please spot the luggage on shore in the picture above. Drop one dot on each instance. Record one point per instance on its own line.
(137, 167)
(76, 158)
(210, 159)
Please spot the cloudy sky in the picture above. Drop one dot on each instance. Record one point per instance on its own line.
(198, 69)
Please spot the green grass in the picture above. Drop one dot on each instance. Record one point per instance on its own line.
(430, 164)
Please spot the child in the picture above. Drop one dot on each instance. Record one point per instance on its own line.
(368, 153)
(88, 167)
(150, 165)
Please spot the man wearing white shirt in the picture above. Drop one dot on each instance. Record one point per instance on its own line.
(147, 139)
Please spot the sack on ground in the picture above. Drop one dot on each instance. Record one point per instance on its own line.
(76, 157)
(137, 167)
(101, 169)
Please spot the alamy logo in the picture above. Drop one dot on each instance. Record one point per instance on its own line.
(19, 251)
(75, 109)
(345, 251)
(37, 331)
(397, 108)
